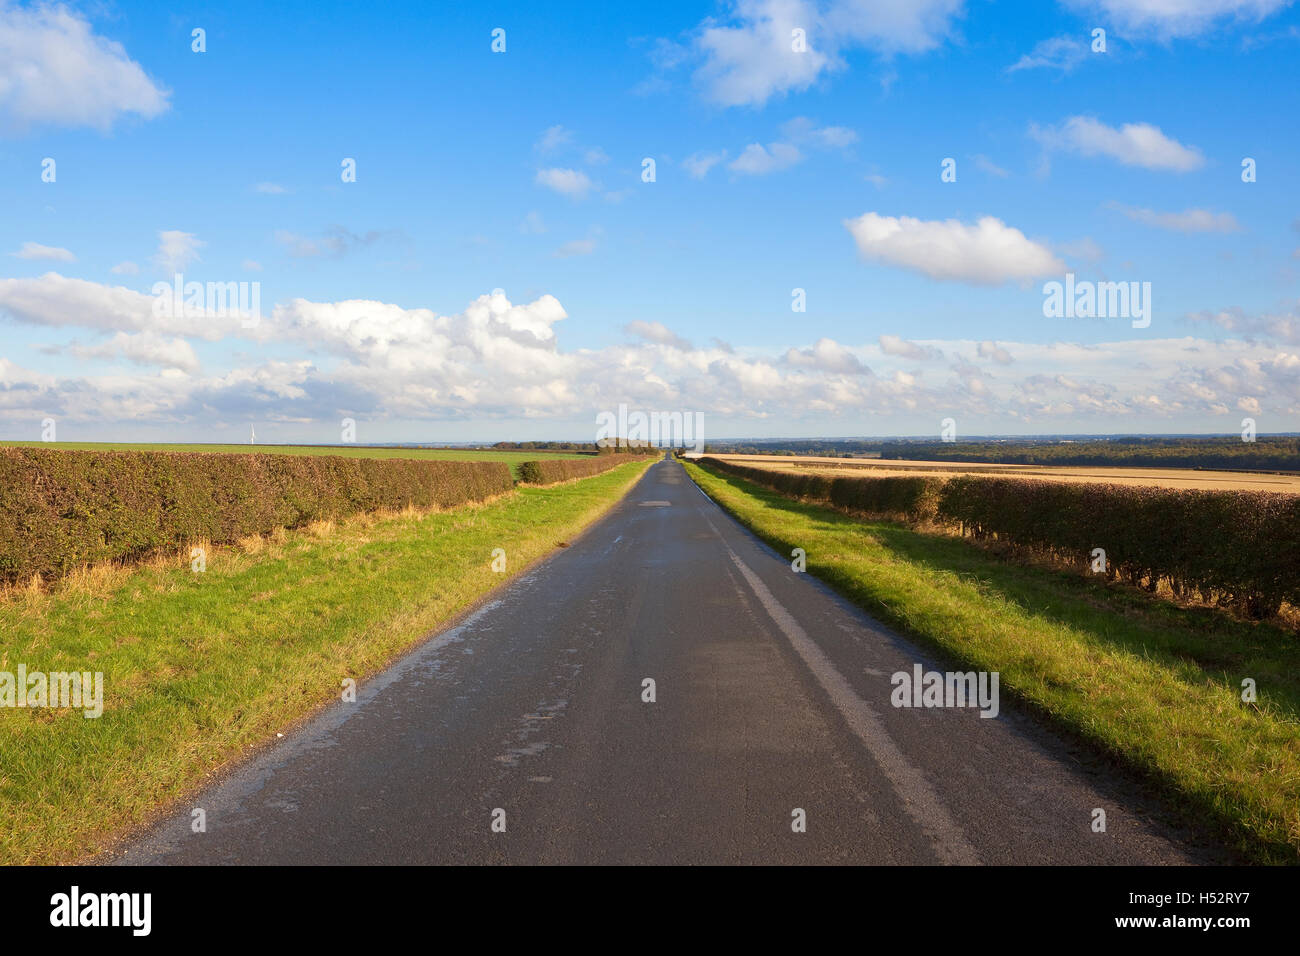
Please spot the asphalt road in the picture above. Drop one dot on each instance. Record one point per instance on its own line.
(772, 695)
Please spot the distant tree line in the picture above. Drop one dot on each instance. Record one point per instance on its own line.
(1266, 453)
(587, 446)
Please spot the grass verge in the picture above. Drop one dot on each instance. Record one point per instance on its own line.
(199, 667)
(1155, 687)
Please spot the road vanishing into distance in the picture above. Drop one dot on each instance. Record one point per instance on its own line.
(772, 695)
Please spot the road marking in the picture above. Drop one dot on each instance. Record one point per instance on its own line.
(656, 504)
(914, 792)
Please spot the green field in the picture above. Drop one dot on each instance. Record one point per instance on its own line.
(515, 458)
(199, 667)
(1154, 686)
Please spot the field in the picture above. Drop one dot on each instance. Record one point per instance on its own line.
(1155, 686)
(199, 667)
(1161, 477)
(515, 458)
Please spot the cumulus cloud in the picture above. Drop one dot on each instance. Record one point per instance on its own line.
(895, 345)
(756, 160)
(55, 70)
(497, 360)
(698, 164)
(126, 268)
(1275, 326)
(991, 350)
(568, 182)
(658, 333)
(826, 355)
(143, 348)
(749, 56)
(34, 251)
(1133, 144)
(1179, 18)
(987, 253)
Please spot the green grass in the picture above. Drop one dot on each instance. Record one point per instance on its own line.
(1154, 686)
(199, 667)
(515, 458)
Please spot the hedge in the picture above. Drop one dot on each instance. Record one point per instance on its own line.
(915, 499)
(1233, 547)
(549, 471)
(63, 509)
(1237, 548)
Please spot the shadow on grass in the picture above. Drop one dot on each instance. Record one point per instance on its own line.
(1215, 646)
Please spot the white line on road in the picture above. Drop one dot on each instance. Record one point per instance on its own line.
(914, 792)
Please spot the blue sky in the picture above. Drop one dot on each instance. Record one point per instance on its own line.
(500, 269)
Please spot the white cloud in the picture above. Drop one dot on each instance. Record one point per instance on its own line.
(1062, 53)
(532, 224)
(143, 348)
(1133, 144)
(757, 161)
(658, 333)
(569, 182)
(553, 138)
(697, 165)
(176, 250)
(252, 265)
(34, 251)
(595, 156)
(803, 130)
(750, 57)
(498, 361)
(57, 301)
(1279, 326)
(1189, 220)
(1179, 18)
(826, 355)
(270, 189)
(748, 62)
(991, 350)
(126, 268)
(988, 252)
(335, 243)
(902, 348)
(55, 70)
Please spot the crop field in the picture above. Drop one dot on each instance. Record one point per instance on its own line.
(1159, 477)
